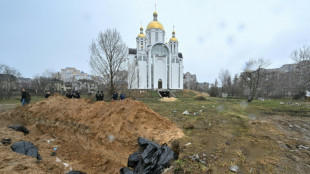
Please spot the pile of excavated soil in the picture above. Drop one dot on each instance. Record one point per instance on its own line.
(91, 137)
(204, 94)
(166, 99)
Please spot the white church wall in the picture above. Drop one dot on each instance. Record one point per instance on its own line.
(142, 75)
(175, 75)
(160, 72)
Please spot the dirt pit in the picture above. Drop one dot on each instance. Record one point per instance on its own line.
(90, 137)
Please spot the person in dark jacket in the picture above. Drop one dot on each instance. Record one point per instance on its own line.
(122, 96)
(115, 96)
(69, 95)
(76, 94)
(97, 96)
(101, 96)
(23, 98)
(28, 97)
(47, 95)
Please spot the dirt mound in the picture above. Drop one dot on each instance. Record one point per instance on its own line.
(93, 137)
(203, 94)
(166, 99)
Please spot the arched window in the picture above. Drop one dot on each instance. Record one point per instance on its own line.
(160, 50)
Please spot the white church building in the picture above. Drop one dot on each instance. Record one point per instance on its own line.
(154, 64)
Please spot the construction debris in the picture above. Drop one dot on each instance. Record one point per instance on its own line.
(185, 112)
(234, 169)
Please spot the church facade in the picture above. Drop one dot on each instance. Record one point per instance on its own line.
(154, 64)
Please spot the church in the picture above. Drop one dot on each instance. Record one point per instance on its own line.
(154, 64)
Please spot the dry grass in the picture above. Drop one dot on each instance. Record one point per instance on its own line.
(228, 133)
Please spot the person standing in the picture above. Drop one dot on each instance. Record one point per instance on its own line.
(47, 95)
(28, 97)
(115, 96)
(101, 96)
(122, 96)
(23, 99)
(97, 96)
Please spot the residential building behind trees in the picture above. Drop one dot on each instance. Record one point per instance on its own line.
(190, 81)
(8, 81)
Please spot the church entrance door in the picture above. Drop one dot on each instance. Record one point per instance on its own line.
(160, 84)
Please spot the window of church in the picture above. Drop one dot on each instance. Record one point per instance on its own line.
(177, 60)
(160, 50)
(149, 38)
(156, 37)
(144, 58)
(163, 39)
(139, 58)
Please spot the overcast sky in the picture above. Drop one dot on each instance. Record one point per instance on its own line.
(38, 35)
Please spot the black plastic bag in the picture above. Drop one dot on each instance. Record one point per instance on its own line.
(134, 159)
(19, 128)
(143, 143)
(150, 156)
(126, 170)
(153, 159)
(75, 172)
(139, 168)
(27, 148)
(166, 156)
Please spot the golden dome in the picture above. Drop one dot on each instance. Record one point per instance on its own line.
(174, 39)
(141, 35)
(155, 24)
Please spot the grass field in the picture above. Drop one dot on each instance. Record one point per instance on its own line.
(231, 132)
(258, 137)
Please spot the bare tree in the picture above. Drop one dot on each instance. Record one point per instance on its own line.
(108, 54)
(133, 76)
(252, 75)
(302, 58)
(225, 78)
(8, 82)
(44, 82)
